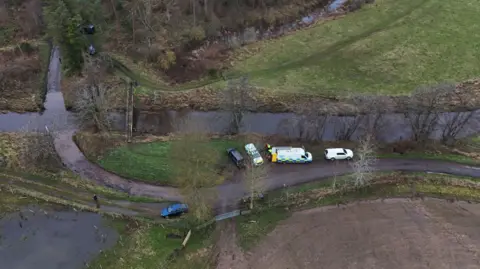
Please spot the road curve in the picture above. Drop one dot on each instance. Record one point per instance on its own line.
(230, 193)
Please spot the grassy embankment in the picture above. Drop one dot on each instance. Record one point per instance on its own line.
(282, 203)
(390, 47)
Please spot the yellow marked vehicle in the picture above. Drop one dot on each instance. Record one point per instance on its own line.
(290, 155)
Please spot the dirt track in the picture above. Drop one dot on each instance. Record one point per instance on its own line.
(393, 234)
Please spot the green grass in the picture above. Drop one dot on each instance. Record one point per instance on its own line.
(143, 245)
(388, 47)
(150, 161)
(10, 202)
(253, 227)
(430, 156)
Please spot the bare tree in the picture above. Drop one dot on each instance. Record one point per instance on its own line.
(346, 126)
(308, 123)
(255, 177)
(374, 108)
(370, 111)
(363, 166)
(237, 99)
(37, 149)
(424, 108)
(194, 162)
(453, 123)
(92, 97)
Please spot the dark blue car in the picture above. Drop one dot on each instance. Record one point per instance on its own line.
(174, 210)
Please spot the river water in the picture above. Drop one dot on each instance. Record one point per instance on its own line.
(392, 127)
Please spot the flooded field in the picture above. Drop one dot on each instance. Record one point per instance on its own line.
(35, 238)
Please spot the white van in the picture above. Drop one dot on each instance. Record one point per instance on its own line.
(338, 154)
(290, 155)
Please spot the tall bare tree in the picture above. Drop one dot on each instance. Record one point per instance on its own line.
(255, 177)
(369, 116)
(194, 162)
(37, 150)
(453, 123)
(423, 110)
(237, 99)
(346, 126)
(363, 166)
(92, 96)
(374, 109)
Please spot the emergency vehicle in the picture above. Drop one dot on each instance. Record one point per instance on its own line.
(254, 154)
(290, 155)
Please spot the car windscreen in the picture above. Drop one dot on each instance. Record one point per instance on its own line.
(256, 155)
(345, 151)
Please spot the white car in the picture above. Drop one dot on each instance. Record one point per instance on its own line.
(338, 154)
(254, 154)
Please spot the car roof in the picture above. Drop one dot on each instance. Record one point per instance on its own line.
(235, 153)
(336, 149)
(250, 147)
(178, 206)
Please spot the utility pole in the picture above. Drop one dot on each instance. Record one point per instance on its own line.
(129, 112)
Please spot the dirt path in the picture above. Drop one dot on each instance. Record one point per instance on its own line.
(230, 255)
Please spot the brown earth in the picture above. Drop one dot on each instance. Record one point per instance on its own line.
(395, 233)
(20, 20)
(21, 74)
(230, 256)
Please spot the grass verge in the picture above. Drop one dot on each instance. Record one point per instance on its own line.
(144, 245)
(280, 204)
(151, 162)
(432, 156)
(390, 47)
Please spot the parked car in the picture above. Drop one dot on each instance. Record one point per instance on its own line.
(236, 157)
(174, 210)
(338, 154)
(254, 154)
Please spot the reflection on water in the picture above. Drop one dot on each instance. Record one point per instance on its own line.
(392, 127)
(48, 239)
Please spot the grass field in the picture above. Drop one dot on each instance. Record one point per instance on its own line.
(389, 47)
(151, 161)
